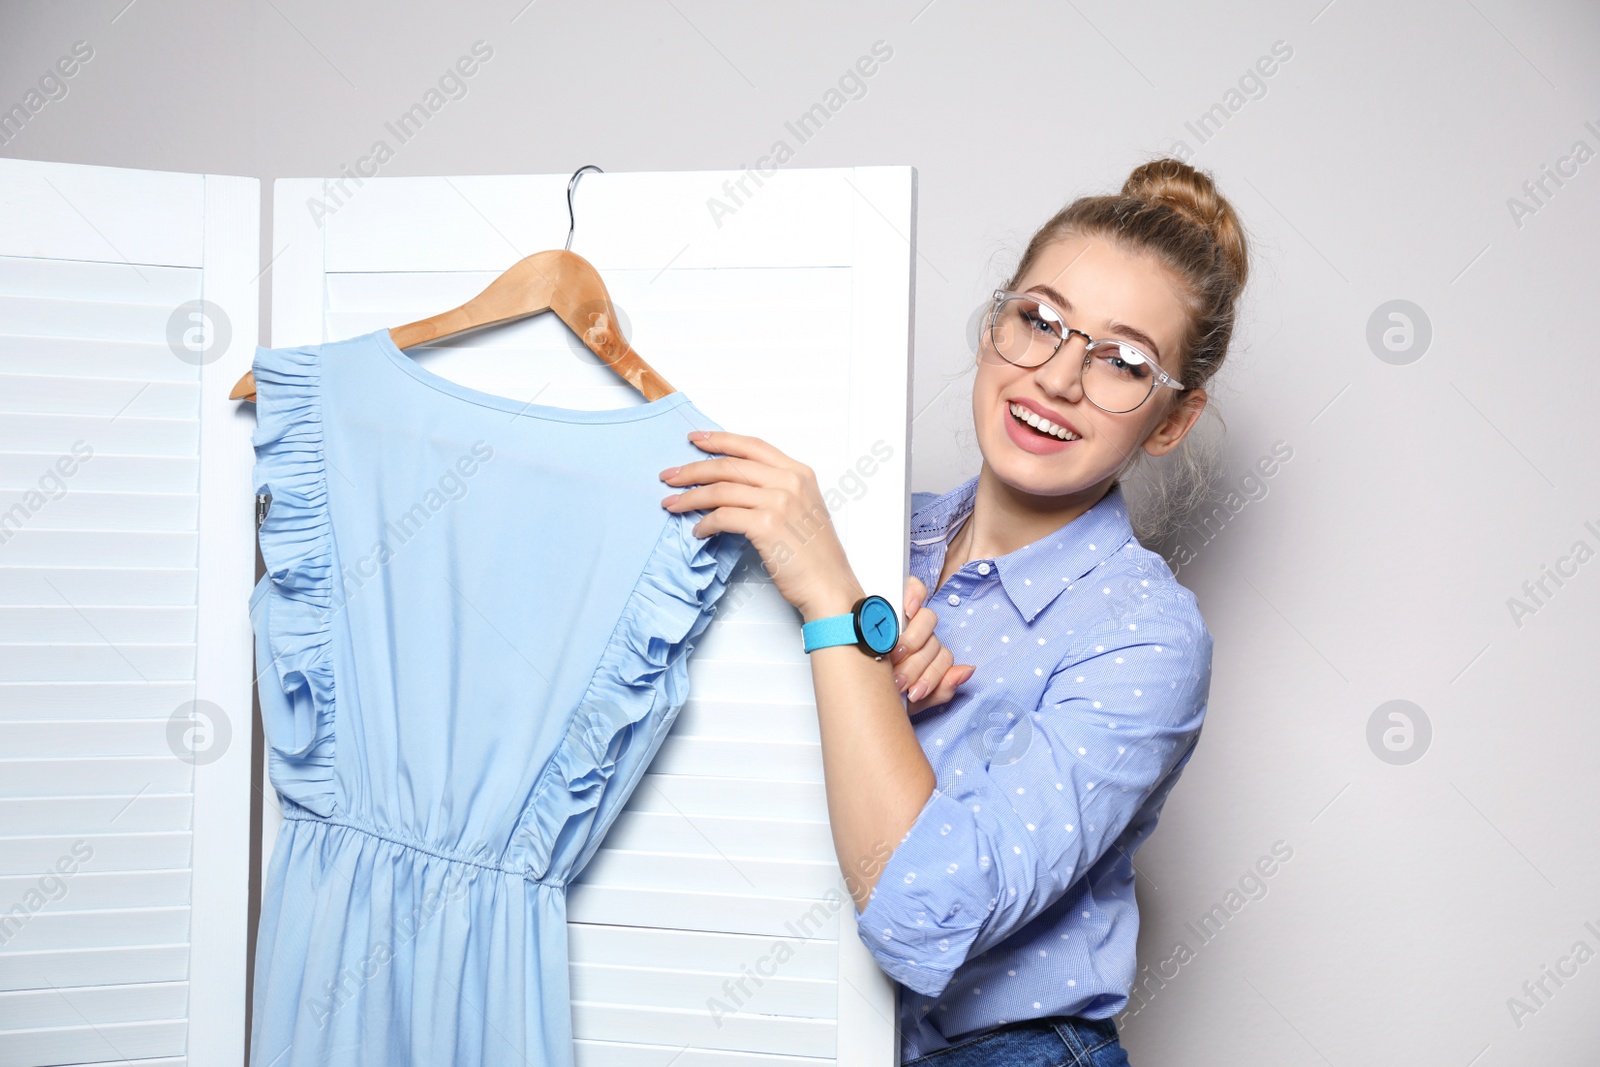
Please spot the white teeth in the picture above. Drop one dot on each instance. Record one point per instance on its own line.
(1042, 424)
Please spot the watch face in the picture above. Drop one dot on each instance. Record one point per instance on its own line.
(879, 626)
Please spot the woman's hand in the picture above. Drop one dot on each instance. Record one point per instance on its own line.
(756, 490)
(925, 670)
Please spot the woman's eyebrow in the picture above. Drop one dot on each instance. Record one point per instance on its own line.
(1114, 326)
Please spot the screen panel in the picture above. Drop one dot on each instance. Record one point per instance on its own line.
(127, 299)
(788, 319)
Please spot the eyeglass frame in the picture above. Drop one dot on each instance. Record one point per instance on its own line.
(1161, 376)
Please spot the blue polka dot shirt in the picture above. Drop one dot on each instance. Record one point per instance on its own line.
(1012, 895)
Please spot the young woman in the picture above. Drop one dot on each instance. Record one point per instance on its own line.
(987, 838)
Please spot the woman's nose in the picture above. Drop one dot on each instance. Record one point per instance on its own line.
(1061, 375)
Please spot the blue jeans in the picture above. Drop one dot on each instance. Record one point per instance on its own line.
(1059, 1041)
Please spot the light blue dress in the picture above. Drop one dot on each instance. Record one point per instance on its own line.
(470, 640)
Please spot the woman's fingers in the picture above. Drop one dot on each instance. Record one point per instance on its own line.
(730, 506)
(716, 495)
(721, 469)
(945, 689)
(930, 676)
(921, 647)
(916, 593)
(742, 447)
(913, 638)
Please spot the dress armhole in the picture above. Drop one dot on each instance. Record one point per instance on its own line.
(293, 619)
(643, 669)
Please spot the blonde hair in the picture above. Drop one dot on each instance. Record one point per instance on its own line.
(1173, 212)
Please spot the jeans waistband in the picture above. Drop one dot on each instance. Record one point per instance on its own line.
(999, 1046)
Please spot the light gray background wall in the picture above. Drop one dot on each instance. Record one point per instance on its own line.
(1380, 162)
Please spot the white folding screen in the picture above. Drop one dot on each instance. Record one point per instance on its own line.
(713, 919)
(127, 308)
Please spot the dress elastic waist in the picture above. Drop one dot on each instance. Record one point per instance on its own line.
(393, 838)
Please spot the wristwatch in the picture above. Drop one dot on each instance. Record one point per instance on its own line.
(872, 624)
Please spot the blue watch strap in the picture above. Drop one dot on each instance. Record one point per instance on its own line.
(827, 632)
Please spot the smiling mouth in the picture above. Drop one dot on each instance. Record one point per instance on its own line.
(1041, 425)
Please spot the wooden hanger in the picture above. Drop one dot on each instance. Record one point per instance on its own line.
(559, 280)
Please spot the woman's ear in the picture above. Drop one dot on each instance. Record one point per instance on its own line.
(1176, 424)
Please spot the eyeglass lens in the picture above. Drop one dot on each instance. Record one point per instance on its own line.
(1027, 333)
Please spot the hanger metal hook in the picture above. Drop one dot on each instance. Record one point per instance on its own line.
(572, 183)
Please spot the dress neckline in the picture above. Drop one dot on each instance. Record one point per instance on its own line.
(441, 384)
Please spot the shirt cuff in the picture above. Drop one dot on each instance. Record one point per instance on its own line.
(922, 917)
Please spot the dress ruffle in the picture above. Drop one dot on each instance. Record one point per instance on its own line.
(297, 545)
(645, 666)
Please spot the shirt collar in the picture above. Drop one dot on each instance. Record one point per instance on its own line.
(1035, 574)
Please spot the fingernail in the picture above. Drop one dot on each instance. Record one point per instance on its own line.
(915, 694)
(699, 435)
(670, 472)
(667, 500)
(899, 684)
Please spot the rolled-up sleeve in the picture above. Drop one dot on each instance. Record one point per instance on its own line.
(996, 845)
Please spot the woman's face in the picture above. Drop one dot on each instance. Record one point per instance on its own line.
(1105, 291)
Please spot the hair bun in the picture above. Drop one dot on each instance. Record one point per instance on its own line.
(1193, 195)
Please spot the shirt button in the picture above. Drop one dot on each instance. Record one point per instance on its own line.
(953, 599)
(984, 568)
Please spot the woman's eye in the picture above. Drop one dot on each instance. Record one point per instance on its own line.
(1043, 325)
(1133, 366)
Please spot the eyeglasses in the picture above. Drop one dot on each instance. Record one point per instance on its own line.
(1116, 376)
